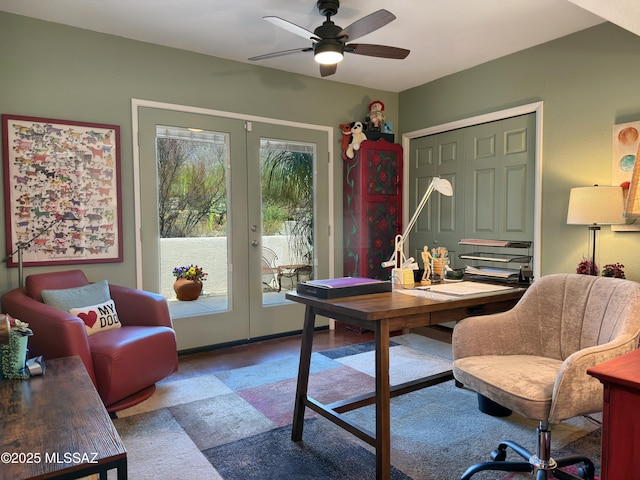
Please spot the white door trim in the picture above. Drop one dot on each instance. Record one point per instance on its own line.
(537, 108)
(137, 103)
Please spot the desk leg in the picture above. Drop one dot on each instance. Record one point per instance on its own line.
(383, 408)
(122, 469)
(303, 373)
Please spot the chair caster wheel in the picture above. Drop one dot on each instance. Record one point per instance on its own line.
(500, 454)
(587, 472)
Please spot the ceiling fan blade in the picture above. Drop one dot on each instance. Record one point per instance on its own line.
(291, 27)
(382, 51)
(326, 70)
(368, 24)
(281, 53)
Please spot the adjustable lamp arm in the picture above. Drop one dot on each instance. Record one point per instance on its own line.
(22, 245)
(439, 184)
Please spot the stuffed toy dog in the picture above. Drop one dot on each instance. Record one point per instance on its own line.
(357, 137)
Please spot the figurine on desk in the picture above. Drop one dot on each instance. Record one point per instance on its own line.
(435, 262)
(427, 259)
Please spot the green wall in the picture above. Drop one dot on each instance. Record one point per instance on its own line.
(54, 71)
(588, 82)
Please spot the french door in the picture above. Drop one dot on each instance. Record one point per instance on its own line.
(250, 251)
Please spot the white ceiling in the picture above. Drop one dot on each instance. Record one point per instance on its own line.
(444, 36)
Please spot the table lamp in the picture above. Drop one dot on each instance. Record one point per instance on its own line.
(398, 260)
(22, 245)
(595, 206)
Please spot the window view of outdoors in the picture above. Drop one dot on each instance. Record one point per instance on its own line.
(287, 214)
(192, 204)
(192, 207)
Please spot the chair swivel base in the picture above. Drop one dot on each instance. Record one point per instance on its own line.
(542, 469)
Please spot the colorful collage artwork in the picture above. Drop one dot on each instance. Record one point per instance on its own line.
(53, 167)
(625, 144)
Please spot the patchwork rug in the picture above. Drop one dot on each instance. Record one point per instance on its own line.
(236, 425)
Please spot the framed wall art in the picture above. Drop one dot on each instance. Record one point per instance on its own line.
(62, 191)
(625, 145)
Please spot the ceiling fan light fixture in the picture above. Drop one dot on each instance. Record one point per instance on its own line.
(328, 53)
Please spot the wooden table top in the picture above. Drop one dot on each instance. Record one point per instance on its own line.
(379, 306)
(54, 423)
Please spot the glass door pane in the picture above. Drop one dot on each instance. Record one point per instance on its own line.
(192, 201)
(287, 216)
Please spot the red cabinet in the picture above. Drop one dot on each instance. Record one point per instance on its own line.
(372, 207)
(620, 416)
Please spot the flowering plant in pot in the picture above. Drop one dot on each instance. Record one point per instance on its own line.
(585, 267)
(615, 270)
(188, 284)
(14, 353)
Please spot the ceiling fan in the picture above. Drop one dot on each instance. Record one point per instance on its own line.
(329, 41)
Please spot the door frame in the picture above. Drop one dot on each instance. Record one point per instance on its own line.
(137, 103)
(537, 108)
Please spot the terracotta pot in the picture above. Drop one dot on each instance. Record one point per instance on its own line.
(187, 289)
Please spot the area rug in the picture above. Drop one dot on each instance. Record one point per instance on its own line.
(236, 425)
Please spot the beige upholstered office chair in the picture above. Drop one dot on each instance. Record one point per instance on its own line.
(533, 359)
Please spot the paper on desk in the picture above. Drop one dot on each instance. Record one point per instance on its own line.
(491, 272)
(447, 290)
(465, 288)
(439, 297)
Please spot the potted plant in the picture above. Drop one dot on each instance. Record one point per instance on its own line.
(587, 267)
(188, 284)
(14, 354)
(615, 270)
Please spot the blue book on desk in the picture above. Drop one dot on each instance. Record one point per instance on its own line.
(342, 287)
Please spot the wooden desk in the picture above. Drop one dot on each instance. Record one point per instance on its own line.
(55, 426)
(620, 422)
(381, 313)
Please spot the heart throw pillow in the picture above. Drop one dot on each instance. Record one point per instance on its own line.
(98, 318)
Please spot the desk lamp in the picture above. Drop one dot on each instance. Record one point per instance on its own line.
(398, 259)
(22, 245)
(595, 206)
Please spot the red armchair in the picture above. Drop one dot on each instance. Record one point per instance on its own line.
(124, 363)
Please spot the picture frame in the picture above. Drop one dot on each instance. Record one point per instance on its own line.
(53, 168)
(625, 145)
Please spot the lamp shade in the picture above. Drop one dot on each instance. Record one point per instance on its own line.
(595, 206)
